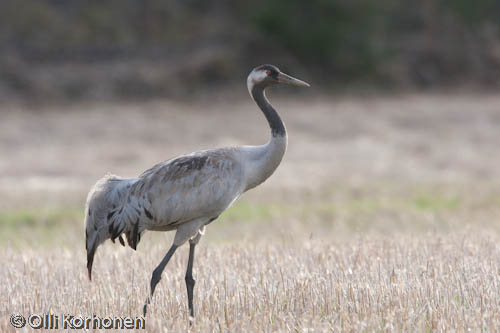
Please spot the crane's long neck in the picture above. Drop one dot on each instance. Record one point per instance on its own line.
(273, 118)
(263, 160)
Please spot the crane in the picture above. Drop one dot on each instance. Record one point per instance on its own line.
(188, 192)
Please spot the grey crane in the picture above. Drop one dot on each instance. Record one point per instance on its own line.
(187, 192)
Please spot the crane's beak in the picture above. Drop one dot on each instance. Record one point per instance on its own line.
(287, 79)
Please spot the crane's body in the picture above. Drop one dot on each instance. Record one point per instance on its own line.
(188, 192)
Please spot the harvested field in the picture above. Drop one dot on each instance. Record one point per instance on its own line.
(384, 215)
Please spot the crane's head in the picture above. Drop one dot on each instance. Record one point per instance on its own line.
(266, 75)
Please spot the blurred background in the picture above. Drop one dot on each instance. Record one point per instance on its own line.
(70, 50)
(398, 133)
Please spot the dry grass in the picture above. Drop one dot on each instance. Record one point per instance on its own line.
(385, 215)
(368, 283)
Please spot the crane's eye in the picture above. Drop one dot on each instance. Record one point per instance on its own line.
(268, 72)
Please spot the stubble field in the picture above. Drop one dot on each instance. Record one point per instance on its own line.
(384, 215)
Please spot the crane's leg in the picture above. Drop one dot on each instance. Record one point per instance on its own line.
(190, 282)
(157, 274)
(189, 279)
(187, 231)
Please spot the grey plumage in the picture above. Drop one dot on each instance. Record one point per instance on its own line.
(187, 192)
(162, 198)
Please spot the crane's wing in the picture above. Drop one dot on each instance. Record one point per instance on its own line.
(192, 186)
(197, 185)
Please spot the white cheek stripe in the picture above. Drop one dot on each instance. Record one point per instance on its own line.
(254, 78)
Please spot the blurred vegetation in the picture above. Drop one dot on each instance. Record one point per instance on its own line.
(51, 49)
(46, 226)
